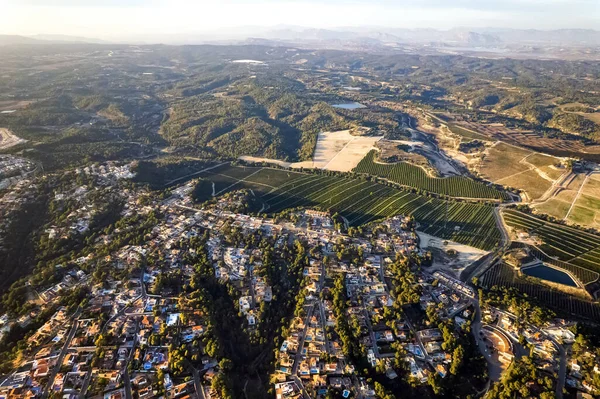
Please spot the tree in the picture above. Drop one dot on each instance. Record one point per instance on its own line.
(457, 358)
(435, 382)
(225, 364)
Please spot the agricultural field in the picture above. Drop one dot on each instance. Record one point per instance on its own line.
(586, 208)
(558, 206)
(503, 161)
(516, 167)
(339, 151)
(524, 138)
(560, 242)
(466, 133)
(361, 201)
(504, 275)
(578, 203)
(413, 176)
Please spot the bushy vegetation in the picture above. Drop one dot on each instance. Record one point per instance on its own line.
(523, 379)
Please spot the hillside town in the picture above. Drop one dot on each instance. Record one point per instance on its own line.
(123, 319)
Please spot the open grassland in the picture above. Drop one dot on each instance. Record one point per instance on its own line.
(554, 207)
(526, 170)
(503, 161)
(546, 165)
(528, 181)
(592, 186)
(413, 176)
(559, 205)
(560, 242)
(361, 201)
(504, 275)
(585, 209)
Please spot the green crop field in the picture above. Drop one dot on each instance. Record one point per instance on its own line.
(563, 243)
(409, 175)
(361, 201)
(503, 275)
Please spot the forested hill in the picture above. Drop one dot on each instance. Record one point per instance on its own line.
(90, 102)
(267, 116)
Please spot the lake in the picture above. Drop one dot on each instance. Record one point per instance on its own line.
(349, 106)
(550, 274)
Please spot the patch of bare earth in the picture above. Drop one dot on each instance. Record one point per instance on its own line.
(8, 139)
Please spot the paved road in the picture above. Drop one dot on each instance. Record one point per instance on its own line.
(198, 384)
(63, 353)
(494, 369)
(126, 379)
(324, 325)
(562, 365)
(502, 248)
(298, 382)
(298, 357)
(562, 370)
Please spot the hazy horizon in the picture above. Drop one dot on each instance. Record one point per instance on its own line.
(136, 19)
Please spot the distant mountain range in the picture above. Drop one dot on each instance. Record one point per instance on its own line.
(459, 36)
(351, 37)
(7, 40)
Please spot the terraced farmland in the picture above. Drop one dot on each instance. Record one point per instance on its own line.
(405, 174)
(586, 276)
(360, 201)
(563, 243)
(503, 275)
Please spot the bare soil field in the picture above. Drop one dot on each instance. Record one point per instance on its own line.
(463, 255)
(339, 151)
(394, 151)
(11, 105)
(8, 139)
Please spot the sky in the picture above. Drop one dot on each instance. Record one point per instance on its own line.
(135, 19)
